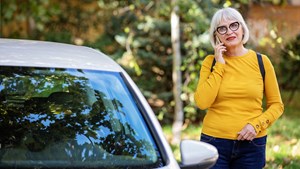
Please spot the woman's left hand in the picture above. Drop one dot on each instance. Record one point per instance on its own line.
(247, 133)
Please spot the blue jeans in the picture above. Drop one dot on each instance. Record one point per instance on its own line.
(234, 154)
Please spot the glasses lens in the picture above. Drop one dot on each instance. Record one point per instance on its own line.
(234, 26)
(222, 30)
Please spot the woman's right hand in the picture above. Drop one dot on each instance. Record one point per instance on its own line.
(219, 50)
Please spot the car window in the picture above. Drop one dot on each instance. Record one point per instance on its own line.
(67, 118)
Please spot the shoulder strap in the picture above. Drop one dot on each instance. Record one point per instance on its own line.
(260, 63)
(212, 65)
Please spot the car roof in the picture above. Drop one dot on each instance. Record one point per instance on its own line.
(32, 53)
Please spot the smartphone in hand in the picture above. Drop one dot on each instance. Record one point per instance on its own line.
(217, 40)
(219, 51)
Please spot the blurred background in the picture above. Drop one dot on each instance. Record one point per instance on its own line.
(162, 43)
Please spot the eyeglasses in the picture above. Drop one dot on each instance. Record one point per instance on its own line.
(223, 29)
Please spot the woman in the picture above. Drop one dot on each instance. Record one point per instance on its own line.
(233, 91)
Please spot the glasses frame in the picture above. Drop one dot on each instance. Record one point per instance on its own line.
(230, 25)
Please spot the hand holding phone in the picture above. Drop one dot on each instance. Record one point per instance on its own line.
(220, 48)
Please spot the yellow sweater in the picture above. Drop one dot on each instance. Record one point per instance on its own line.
(233, 95)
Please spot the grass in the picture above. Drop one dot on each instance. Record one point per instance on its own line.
(283, 146)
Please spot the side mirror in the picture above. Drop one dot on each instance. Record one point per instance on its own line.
(197, 154)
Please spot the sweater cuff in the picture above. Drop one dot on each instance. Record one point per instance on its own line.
(260, 124)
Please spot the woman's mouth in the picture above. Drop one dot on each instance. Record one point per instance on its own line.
(230, 38)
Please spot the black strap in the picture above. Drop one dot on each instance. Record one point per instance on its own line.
(260, 63)
(212, 65)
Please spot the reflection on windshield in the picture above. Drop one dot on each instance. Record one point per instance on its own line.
(67, 117)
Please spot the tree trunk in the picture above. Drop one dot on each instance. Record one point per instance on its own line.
(176, 75)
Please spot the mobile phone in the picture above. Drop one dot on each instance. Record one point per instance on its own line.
(217, 40)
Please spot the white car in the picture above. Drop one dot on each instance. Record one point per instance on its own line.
(67, 106)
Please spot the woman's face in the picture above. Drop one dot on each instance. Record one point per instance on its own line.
(230, 32)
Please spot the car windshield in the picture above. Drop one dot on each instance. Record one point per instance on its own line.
(71, 118)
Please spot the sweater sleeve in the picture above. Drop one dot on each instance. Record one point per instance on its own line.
(275, 105)
(209, 83)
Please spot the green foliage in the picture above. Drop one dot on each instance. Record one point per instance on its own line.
(290, 66)
(63, 37)
(35, 12)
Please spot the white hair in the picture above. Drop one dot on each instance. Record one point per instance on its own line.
(227, 14)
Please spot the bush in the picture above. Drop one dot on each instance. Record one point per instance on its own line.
(290, 66)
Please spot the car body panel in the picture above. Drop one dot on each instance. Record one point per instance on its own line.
(50, 54)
